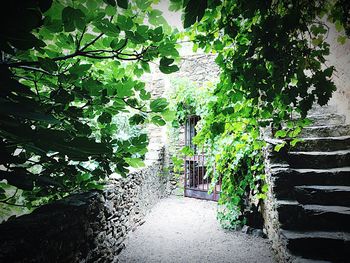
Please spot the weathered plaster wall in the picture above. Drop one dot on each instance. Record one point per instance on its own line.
(88, 227)
(340, 58)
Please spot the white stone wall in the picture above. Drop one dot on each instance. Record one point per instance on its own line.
(340, 58)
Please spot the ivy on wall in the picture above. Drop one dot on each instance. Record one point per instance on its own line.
(273, 70)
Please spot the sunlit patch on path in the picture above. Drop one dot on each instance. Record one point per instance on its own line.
(186, 230)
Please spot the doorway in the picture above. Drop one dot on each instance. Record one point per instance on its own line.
(196, 183)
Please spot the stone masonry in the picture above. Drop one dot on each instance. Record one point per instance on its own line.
(307, 210)
(88, 227)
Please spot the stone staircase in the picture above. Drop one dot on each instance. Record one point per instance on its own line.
(311, 188)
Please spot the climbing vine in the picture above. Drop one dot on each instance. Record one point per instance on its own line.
(273, 70)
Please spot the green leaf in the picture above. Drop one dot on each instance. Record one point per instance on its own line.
(186, 150)
(338, 26)
(341, 39)
(166, 67)
(156, 35)
(143, 4)
(73, 18)
(109, 2)
(264, 188)
(278, 147)
(108, 28)
(154, 17)
(94, 87)
(110, 10)
(84, 177)
(125, 23)
(169, 115)
(48, 64)
(137, 119)
(94, 186)
(168, 50)
(158, 120)
(80, 69)
(158, 105)
(294, 132)
(194, 11)
(123, 3)
(145, 95)
(125, 88)
(135, 162)
(281, 134)
(145, 66)
(295, 141)
(105, 118)
(117, 44)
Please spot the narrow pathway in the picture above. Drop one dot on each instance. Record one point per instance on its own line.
(186, 230)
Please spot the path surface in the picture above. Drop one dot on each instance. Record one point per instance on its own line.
(186, 230)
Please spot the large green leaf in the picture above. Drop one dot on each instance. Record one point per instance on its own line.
(135, 162)
(73, 18)
(123, 3)
(159, 105)
(166, 67)
(158, 120)
(194, 11)
(48, 64)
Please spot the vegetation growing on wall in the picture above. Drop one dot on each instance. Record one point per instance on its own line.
(68, 69)
(273, 70)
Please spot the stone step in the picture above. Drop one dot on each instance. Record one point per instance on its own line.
(318, 110)
(285, 179)
(325, 131)
(323, 144)
(318, 160)
(323, 195)
(307, 260)
(326, 119)
(330, 246)
(294, 216)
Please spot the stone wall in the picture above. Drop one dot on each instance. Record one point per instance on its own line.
(88, 227)
(270, 214)
(199, 69)
(340, 58)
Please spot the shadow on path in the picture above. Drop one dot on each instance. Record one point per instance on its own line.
(186, 230)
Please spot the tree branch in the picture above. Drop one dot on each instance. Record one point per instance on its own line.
(92, 42)
(18, 205)
(80, 39)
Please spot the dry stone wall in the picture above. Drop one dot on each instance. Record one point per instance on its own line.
(270, 214)
(88, 227)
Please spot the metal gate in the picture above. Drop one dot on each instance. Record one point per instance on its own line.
(195, 183)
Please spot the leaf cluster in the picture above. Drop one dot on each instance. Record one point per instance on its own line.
(69, 70)
(272, 58)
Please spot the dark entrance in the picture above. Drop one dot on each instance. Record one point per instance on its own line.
(196, 183)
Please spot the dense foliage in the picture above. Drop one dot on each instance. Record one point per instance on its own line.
(273, 70)
(68, 70)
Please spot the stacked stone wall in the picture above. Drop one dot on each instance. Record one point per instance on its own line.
(87, 227)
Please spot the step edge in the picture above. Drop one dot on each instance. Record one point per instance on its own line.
(317, 234)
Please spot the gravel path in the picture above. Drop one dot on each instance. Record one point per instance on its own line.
(186, 230)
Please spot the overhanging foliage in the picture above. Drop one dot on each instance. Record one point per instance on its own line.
(68, 68)
(273, 70)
